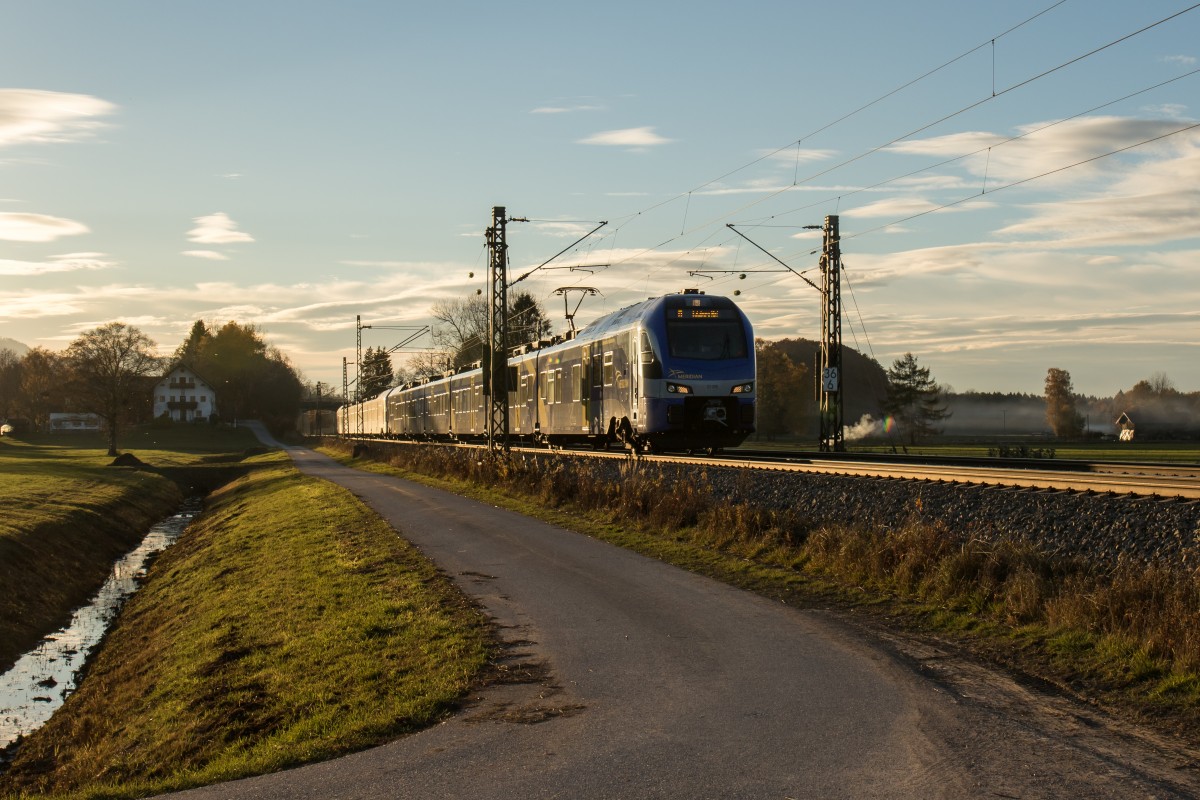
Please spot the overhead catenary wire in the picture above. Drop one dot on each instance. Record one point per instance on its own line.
(772, 194)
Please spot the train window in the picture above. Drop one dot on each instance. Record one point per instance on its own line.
(608, 369)
(707, 340)
(558, 385)
(577, 381)
(548, 387)
(647, 349)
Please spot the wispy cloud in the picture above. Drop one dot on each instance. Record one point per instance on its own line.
(626, 137)
(71, 262)
(1043, 148)
(1183, 61)
(565, 109)
(211, 255)
(903, 207)
(792, 155)
(25, 227)
(32, 115)
(217, 228)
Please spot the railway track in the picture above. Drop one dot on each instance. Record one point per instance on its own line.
(1165, 480)
(1168, 481)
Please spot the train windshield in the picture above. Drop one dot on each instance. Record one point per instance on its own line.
(707, 340)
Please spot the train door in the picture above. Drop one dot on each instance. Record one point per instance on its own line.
(580, 388)
(599, 421)
(635, 377)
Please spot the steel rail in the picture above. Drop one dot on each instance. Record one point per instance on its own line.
(1167, 481)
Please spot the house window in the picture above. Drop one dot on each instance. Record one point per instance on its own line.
(203, 398)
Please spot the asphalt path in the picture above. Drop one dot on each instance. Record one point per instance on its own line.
(631, 678)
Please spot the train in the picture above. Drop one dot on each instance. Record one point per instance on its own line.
(670, 373)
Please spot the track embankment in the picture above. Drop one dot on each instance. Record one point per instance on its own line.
(1104, 529)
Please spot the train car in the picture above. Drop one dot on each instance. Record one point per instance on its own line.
(671, 373)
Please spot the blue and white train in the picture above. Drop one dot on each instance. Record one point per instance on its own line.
(671, 373)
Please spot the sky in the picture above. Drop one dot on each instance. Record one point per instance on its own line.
(1017, 184)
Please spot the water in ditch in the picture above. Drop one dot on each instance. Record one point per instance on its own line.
(42, 679)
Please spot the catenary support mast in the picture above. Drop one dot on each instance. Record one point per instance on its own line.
(832, 430)
(495, 365)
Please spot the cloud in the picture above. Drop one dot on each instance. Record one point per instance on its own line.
(217, 228)
(1169, 110)
(1157, 202)
(626, 137)
(904, 207)
(211, 255)
(1183, 61)
(23, 227)
(31, 115)
(791, 156)
(65, 263)
(565, 109)
(1043, 148)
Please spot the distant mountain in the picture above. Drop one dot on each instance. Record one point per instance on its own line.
(14, 345)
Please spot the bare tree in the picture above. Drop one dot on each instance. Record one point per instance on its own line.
(10, 382)
(460, 327)
(44, 386)
(107, 363)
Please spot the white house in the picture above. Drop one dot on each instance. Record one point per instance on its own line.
(184, 396)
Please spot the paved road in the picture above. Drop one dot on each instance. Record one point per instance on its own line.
(644, 681)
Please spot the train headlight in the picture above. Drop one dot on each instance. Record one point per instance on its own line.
(678, 388)
(743, 388)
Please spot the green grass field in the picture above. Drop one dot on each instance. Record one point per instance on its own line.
(1155, 452)
(289, 624)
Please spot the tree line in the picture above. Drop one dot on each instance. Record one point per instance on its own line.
(111, 371)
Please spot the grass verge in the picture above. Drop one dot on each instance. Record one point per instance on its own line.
(289, 624)
(1127, 638)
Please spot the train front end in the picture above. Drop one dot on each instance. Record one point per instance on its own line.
(698, 373)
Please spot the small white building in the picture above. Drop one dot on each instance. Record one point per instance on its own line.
(75, 422)
(184, 396)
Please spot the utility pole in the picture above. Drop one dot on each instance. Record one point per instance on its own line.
(318, 408)
(495, 365)
(358, 326)
(345, 399)
(832, 412)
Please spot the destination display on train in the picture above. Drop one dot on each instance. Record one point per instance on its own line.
(703, 313)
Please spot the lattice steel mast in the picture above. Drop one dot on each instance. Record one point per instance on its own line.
(495, 364)
(832, 412)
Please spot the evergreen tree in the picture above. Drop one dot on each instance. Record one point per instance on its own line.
(252, 379)
(198, 337)
(1064, 420)
(375, 376)
(914, 398)
(527, 320)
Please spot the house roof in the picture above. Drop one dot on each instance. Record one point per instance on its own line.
(188, 366)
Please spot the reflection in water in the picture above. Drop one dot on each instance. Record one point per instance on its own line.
(42, 678)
